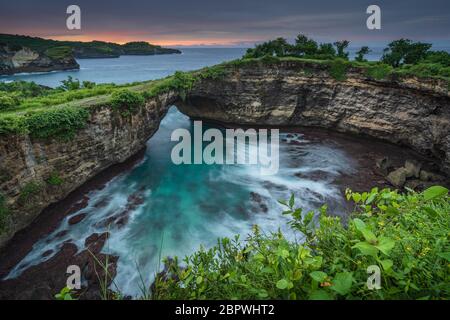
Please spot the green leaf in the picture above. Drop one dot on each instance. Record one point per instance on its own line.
(385, 245)
(292, 201)
(434, 192)
(320, 295)
(387, 264)
(282, 284)
(342, 283)
(319, 276)
(444, 255)
(199, 280)
(366, 249)
(367, 234)
(356, 197)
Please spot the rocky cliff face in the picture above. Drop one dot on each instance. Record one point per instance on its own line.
(16, 60)
(409, 112)
(28, 165)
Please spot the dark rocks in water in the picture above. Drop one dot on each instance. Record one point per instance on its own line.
(61, 234)
(316, 175)
(384, 165)
(96, 241)
(412, 168)
(47, 253)
(77, 219)
(260, 201)
(397, 177)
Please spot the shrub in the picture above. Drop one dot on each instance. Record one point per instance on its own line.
(379, 71)
(404, 235)
(126, 101)
(70, 84)
(58, 53)
(60, 123)
(338, 68)
(12, 125)
(8, 100)
(28, 192)
(54, 179)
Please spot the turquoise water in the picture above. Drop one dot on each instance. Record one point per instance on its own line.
(179, 207)
(185, 206)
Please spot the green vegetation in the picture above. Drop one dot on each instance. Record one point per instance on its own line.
(21, 103)
(405, 57)
(338, 68)
(61, 49)
(404, 235)
(65, 294)
(59, 53)
(54, 179)
(28, 192)
(126, 101)
(3, 212)
(61, 122)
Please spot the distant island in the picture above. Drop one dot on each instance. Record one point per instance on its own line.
(32, 54)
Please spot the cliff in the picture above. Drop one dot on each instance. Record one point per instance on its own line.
(408, 112)
(16, 59)
(37, 172)
(84, 50)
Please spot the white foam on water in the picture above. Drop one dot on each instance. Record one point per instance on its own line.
(180, 223)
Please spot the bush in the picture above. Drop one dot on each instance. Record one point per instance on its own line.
(54, 179)
(70, 84)
(28, 192)
(404, 235)
(60, 123)
(379, 71)
(58, 53)
(8, 100)
(127, 102)
(338, 68)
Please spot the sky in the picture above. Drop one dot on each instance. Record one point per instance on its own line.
(239, 23)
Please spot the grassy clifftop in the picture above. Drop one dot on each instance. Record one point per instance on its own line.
(93, 49)
(20, 102)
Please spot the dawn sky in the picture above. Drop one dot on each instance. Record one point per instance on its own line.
(228, 23)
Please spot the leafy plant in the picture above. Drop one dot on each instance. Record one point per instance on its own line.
(338, 69)
(28, 192)
(60, 123)
(65, 294)
(127, 102)
(54, 179)
(405, 235)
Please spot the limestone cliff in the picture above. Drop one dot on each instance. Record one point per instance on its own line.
(406, 112)
(22, 59)
(28, 164)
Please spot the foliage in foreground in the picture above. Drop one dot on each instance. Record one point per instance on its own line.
(405, 235)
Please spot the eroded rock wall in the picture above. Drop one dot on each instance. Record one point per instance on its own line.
(409, 112)
(26, 164)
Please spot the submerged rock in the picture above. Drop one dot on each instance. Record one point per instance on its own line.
(398, 177)
(412, 168)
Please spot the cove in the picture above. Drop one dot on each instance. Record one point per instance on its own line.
(161, 209)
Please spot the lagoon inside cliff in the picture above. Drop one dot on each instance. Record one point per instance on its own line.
(158, 209)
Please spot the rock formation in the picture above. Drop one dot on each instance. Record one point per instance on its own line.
(109, 138)
(22, 59)
(407, 112)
